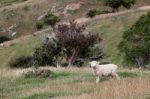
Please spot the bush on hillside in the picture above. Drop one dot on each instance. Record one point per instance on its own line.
(39, 25)
(92, 13)
(115, 4)
(4, 38)
(51, 19)
(135, 45)
(46, 54)
(21, 62)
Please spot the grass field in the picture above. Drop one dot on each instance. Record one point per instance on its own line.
(75, 83)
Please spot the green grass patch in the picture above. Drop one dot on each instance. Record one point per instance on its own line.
(128, 74)
(59, 74)
(12, 85)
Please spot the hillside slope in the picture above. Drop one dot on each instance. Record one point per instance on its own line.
(110, 27)
(24, 14)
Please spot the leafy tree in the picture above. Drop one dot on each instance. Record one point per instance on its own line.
(136, 42)
(46, 54)
(74, 39)
(115, 4)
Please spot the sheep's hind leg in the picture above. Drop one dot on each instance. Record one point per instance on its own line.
(117, 77)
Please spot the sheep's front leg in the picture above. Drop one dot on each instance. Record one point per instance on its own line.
(97, 79)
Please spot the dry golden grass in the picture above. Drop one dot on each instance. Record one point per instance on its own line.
(81, 85)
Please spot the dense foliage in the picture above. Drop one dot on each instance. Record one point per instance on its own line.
(136, 42)
(92, 13)
(4, 38)
(46, 54)
(39, 25)
(21, 62)
(51, 19)
(115, 4)
(74, 39)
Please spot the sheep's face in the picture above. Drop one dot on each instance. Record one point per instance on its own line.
(94, 63)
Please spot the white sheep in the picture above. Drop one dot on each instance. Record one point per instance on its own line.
(104, 70)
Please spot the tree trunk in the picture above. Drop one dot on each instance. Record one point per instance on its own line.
(72, 57)
(58, 63)
(140, 62)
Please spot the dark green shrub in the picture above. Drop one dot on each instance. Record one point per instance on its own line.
(92, 13)
(128, 74)
(128, 3)
(4, 38)
(21, 62)
(95, 12)
(46, 54)
(135, 45)
(103, 12)
(51, 19)
(39, 25)
(115, 4)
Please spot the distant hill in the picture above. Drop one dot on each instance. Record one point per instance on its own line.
(24, 13)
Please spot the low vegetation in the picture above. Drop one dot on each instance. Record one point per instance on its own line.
(51, 19)
(115, 4)
(40, 25)
(41, 73)
(4, 38)
(94, 12)
(21, 62)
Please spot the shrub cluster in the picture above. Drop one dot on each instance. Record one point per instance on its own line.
(39, 25)
(4, 38)
(21, 62)
(94, 12)
(51, 19)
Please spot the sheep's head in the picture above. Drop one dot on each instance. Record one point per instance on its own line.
(93, 63)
